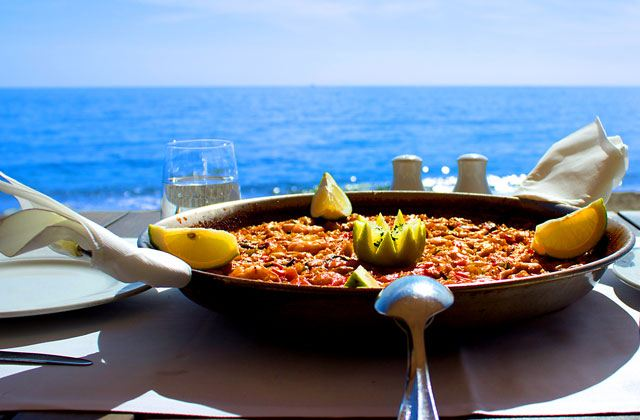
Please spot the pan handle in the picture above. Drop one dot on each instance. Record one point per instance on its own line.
(418, 402)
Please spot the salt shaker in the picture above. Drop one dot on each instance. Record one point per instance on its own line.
(472, 174)
(406, 173)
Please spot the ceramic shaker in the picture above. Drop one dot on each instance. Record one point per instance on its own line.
(407, 173)
(472, 174)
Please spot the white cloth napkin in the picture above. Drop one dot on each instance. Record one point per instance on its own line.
(579, 169)
(44, 221)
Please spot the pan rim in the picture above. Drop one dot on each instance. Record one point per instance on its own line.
(602, 263)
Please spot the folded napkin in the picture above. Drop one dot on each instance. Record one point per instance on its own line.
(46, 222)
(579, 169)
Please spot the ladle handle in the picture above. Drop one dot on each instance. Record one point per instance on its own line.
(418, 402)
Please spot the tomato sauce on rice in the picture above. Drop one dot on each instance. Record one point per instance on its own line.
(306, 251)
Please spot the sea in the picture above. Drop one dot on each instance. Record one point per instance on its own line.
(103, 148)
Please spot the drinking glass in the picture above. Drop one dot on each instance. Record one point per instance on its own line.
(197, 173)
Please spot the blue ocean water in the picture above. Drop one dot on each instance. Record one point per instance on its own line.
(102, 148)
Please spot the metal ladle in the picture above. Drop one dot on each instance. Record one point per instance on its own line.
(413, 301)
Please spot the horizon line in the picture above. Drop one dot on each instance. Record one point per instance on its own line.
(314, 85)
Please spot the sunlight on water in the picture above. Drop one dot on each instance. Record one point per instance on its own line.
(504, 185)
(98, 149)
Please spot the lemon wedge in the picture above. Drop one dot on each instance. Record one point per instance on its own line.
(200, 248)
(329, 201)
(573, 234)
(360, 277)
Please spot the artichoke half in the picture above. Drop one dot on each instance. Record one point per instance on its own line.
(400, 246)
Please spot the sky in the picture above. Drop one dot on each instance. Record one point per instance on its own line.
(62, 43)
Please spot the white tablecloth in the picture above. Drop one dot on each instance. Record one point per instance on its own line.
(160, 353)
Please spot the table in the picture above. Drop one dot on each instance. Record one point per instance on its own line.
(145, 349)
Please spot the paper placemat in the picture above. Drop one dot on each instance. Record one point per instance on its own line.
(160, 353)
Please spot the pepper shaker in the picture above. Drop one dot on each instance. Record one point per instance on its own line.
(406, 173)
(472, 174)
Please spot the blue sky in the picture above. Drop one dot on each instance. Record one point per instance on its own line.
(321, 42)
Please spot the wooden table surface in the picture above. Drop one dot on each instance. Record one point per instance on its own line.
(132, 223)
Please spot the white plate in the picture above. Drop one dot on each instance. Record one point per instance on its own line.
(44, 282)
(627, 268)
